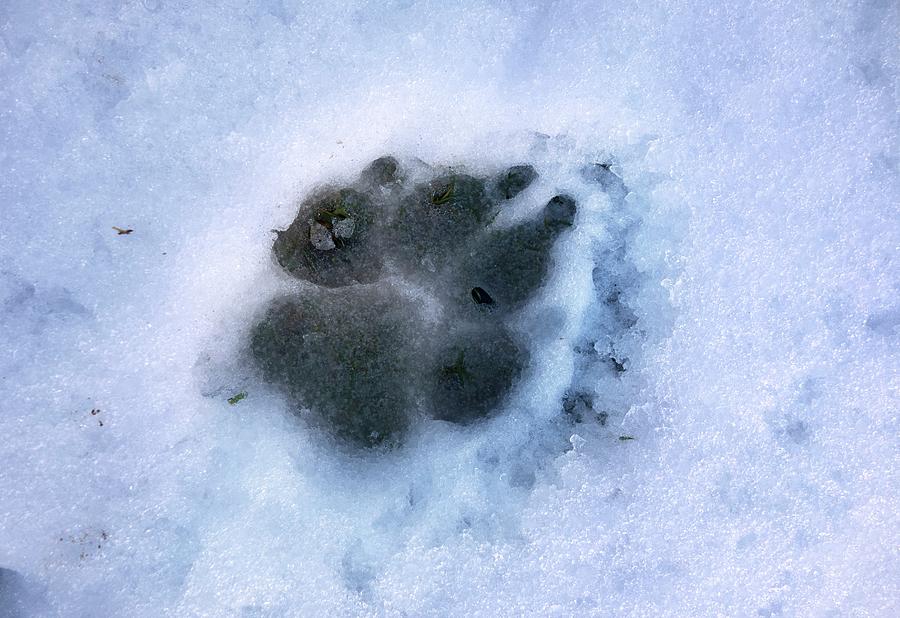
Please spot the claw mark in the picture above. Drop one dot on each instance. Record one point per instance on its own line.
(481, 297)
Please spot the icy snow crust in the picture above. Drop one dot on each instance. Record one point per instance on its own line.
(707, 423)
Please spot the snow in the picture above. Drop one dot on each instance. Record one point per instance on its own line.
(756, 256)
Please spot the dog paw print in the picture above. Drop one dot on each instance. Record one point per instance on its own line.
(405, 299)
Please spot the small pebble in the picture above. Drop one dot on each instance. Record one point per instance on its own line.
(343, 228)
(320, 237)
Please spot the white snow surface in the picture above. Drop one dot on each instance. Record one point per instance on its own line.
(760, 143)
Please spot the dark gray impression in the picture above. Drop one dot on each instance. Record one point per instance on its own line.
(367, 356)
